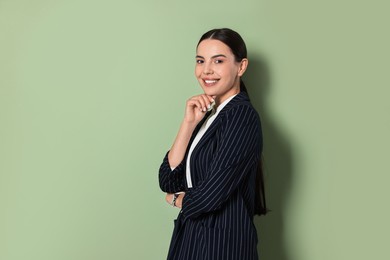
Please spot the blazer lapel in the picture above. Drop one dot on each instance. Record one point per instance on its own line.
(195, 133)
(240, 98)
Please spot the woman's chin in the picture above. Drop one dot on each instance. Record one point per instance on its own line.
(208, 92)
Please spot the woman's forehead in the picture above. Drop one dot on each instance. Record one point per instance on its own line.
(211, 47)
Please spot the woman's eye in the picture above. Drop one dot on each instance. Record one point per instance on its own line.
(218, 61)
(199, 61)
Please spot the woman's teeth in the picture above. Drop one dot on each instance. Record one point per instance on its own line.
(210, 81)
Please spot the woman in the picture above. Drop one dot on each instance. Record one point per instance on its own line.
(213, 170)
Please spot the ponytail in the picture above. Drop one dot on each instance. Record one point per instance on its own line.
(243, 87)
(260, 204)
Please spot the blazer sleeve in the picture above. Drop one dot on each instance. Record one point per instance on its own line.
(239, 149)
(171, 181)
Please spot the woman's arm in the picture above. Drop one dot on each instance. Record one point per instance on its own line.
(171, 171)
(196, 107)
(171, 180)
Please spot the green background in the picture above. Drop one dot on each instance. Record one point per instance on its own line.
(93, 92)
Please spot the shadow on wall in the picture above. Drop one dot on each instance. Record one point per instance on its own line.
(277, 166)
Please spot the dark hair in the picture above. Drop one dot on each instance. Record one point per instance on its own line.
(238, 48)
(233, 40)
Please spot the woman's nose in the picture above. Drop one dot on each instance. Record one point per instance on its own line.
(207, 69)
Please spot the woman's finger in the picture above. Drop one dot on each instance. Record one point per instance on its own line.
(168, 198)
(208, 100)
(204, 100)
(195, 103)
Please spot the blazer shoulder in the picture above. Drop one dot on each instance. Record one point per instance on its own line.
(239, 104)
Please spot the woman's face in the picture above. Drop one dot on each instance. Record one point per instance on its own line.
(217, 71)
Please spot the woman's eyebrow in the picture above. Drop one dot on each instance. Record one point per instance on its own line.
(213, 57)
(218, 55)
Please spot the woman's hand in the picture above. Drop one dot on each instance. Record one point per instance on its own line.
(196, 107)
(179, 199)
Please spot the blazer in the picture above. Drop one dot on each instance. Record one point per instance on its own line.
(216, 219)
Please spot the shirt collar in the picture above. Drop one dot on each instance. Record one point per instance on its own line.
(224, 103)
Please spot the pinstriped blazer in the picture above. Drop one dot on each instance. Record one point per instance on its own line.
(216, 220)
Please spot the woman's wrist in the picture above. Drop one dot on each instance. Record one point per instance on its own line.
(179, 200)
(175, 199)
(189, 125)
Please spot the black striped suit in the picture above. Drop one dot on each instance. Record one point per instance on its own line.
(216, 220)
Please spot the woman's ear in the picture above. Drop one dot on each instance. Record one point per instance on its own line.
(243, 66)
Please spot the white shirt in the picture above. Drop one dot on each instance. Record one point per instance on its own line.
(199, 135)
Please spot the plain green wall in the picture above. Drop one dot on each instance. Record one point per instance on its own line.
(92, 94)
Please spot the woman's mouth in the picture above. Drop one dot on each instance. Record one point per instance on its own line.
(210, 82)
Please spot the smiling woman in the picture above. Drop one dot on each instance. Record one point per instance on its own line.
(217, 70)
(213, 171)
